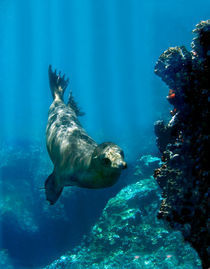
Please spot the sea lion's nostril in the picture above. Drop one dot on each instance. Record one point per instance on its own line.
(124, 165)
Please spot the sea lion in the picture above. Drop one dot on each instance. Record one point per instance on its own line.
(78, 160)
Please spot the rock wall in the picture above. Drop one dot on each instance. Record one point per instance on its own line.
(184, 140)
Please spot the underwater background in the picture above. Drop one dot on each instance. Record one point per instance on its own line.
(108, 49)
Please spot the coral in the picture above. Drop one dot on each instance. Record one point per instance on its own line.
(128, 235)
(184, 140)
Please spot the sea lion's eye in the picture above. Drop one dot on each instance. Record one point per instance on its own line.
(106, 161)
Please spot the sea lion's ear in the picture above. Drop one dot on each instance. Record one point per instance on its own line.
(52, 190)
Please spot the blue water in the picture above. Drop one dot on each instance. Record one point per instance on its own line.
(108, 49)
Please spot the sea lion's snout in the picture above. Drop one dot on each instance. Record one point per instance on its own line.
(124, 165)
(110, 157)
(119, 165)
(116, 157)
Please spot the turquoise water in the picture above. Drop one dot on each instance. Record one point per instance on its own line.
(108, 50)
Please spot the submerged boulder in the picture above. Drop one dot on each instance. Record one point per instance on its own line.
(146, 165)
(5, 261)
(27, 219)
(128, 235)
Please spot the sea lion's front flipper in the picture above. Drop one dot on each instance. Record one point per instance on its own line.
(52, 190)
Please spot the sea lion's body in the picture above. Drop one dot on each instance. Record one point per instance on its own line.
(78, 160)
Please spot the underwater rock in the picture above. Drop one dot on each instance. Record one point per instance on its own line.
(184, 141)
(26, 219)
(128, 235)
(18, 182)
(146, 165)
(5, 261)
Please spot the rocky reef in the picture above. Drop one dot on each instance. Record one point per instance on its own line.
(27, 219)
(5, 261)
(184, 140)
(129, 235)
(146, 164)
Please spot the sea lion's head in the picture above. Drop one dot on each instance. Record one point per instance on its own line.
(108, 162)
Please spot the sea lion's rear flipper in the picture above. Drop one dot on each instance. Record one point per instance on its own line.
(58, 83)
(73, 105)
(52, 190)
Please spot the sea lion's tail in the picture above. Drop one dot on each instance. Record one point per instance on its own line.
(58, 83)
(52, 190)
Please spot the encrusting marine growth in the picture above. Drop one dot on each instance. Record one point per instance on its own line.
(184, 141)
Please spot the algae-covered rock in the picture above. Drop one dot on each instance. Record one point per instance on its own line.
(5, 261)
(146, 165)
(20, 184)
(128, 235)
(184, 141)
(27, 219)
